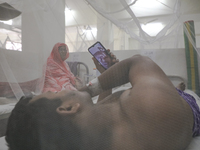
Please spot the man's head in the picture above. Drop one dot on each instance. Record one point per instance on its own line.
(37, 123)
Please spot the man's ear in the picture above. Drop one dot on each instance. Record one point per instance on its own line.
(68, 109)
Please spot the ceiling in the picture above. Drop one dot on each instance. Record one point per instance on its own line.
(83, 14)
(142, 8)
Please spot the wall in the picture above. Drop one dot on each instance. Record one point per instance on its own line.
(27, 68)
(171, 61)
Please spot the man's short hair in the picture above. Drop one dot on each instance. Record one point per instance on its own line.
(37, 126)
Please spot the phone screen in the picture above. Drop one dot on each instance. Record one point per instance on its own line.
(100, 54)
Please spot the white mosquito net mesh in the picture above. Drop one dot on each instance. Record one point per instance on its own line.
(165, 30)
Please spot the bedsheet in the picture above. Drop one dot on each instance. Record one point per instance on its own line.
(6, 109)
(194, 145)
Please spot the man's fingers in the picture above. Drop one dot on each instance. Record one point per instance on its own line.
(95, 61)
(97, 64)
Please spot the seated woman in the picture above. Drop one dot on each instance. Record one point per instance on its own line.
(58, 75)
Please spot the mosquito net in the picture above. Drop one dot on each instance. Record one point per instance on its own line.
(165, 30)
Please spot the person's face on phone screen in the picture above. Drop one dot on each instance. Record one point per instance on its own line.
(103, 59)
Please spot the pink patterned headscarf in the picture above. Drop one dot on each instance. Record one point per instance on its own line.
(58, 75)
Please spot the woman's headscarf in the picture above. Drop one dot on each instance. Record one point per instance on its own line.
(58, 75)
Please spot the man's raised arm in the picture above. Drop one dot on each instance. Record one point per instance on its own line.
(134, 70)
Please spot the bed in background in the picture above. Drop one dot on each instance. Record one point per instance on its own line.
(77, 68)
(8, 100)
(6, 106)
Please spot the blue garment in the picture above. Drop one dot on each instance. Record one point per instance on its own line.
(196, 111)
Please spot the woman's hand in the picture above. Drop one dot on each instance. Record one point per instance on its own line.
(98, 65)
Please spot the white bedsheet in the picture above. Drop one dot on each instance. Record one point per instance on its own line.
(6, 109)
(3, 145)
(194, 145)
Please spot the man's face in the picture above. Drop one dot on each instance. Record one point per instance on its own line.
(64, 95)
(63, 52)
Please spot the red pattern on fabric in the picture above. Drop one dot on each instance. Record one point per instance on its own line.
(58, 75)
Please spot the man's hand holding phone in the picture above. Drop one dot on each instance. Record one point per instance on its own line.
(103, 59)
(99, 66)
(103, 56)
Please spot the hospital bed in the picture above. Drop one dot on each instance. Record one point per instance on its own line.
(79, 69)
(8, 104)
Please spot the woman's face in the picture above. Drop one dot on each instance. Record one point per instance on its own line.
(63, 52)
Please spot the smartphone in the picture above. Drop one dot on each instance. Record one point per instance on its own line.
(98, 51)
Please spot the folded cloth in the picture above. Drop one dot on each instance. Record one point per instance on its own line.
(197, 98)
(193, 101)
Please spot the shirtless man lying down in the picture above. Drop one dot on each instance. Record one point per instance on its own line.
(149, 116)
